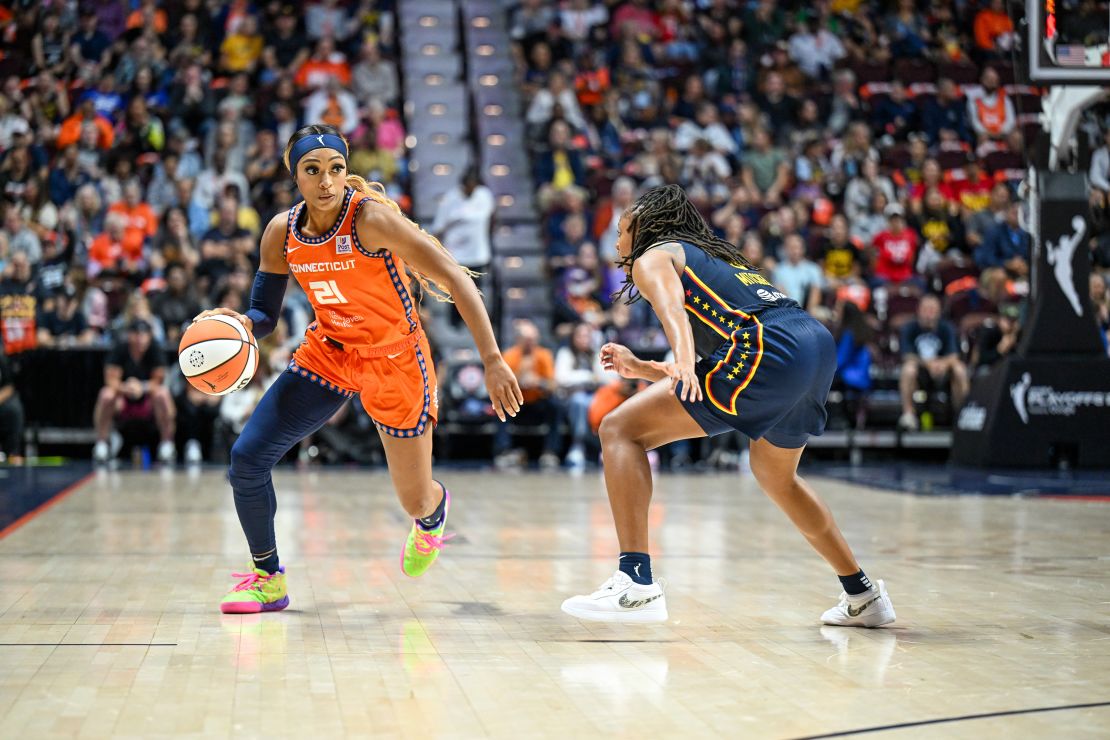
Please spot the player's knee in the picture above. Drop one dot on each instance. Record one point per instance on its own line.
(613, 428)
(249, 461)
(107, 396)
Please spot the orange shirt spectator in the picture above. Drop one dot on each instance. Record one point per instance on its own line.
(533, 365)
(317, 72)
(110, 250)
(139, 18)
(70, 130)
(142, 224)
(990, 23)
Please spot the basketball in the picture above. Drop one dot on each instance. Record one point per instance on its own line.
(218, 355)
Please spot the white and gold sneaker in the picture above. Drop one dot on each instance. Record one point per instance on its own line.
(620, 599)
(872, 608)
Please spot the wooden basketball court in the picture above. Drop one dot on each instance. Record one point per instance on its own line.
(110, 627)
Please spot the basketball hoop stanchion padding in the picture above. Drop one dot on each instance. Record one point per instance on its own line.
(1049, 404)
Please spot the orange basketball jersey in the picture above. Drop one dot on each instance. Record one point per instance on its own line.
(358, 291)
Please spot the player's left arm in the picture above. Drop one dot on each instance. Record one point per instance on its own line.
(386, 227)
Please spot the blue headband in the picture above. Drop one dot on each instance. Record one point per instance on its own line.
(314, 141)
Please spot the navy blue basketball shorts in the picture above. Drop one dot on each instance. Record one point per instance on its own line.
(769, 381)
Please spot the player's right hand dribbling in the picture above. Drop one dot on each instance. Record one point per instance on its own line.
(244, 320)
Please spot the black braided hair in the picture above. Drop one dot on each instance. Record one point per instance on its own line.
(664, 214)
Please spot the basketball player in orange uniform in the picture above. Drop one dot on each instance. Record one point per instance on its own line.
(348, 245)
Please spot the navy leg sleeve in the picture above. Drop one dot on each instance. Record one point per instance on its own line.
(291, 409)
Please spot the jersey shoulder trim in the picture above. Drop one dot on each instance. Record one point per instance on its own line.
(354, 231)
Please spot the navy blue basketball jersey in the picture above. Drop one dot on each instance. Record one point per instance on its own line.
(722, 298)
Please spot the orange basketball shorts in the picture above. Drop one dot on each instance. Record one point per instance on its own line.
(398, 391)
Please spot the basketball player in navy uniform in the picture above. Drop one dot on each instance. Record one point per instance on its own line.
(765, 369)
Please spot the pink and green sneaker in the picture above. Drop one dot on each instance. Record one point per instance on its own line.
(259, 591)
(423, 545)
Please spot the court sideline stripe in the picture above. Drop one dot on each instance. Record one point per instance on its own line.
(54, 500)
(961, 718)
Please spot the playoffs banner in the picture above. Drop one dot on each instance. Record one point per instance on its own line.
(1037, 412)
(1061, 320)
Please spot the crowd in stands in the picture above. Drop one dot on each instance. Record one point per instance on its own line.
(140, 154)
(862, 154)
(868, 157)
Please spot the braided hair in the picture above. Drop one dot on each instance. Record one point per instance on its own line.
(664, 214)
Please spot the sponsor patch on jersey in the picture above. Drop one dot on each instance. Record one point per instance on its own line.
(343, 244)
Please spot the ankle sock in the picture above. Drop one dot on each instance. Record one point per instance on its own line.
(637, 566)
(435, 519)
(268, 563)
(855, 584)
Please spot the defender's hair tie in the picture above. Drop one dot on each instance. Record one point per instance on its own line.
(315, 141)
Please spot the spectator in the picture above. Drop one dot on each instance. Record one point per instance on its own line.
(241, 49)
(62, 323)
(796, 276)
(541, 111)
(780, 108)
(111, 250)
(462, 223)
(18, 305)
(998, 339)
(994, 31)
(325, 64)
(854, 351)
(11, 415)
(992, 112)
(851, 152)
(578, 375)
(331, 104)
(896, 115)
(908, 30)
(177, 304)
(1006, 245)
(141, 222)
(815, 49)
(66, 177)
(944, 117)
(325, 19)
(1099, 172)
(287, 40)
(134, 391)
(20, 237)
(845, 106)
(865, 227)
(895, 248)
(223, 243)
(983, 221)
(930, 353)
(375, 78)
(840, 255)
(561, 166)
(608, 216)
(940, 231)
(1099, 294)
(858, 194)
(707, 127)
(534, 367)
(766, 170)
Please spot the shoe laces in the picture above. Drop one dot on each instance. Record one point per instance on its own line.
(426, 543)
(251, 581)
